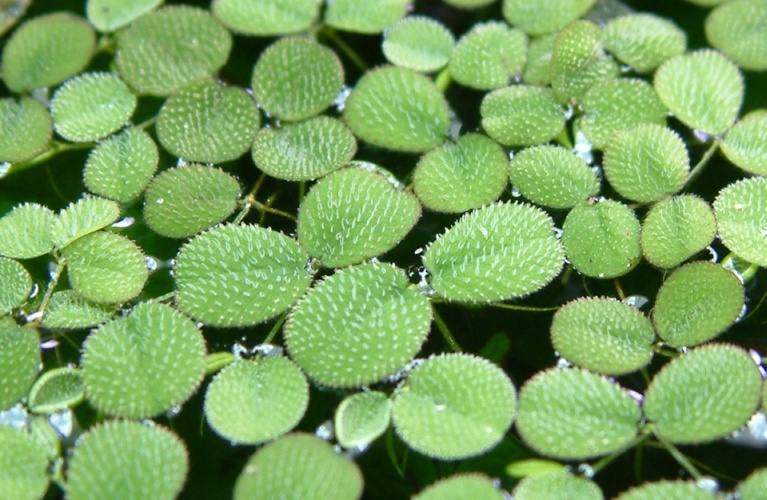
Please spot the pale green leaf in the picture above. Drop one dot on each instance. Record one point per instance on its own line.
(88, 215)
(741, 216)
(365, 16)
(55, 390)
(739, 29)
(419, 43)
(489, 56)
(668, 490)
(25, 129)
(69, 310)
(25, 231)
(16, 285)
(538, 68)
(754, 486)
(461, 486)
(266, 17)
(538, 17)
(361, 418)
(745, 144)
(560, 485)
(23, 465)
(522, 115)
(644, 41)
(111, 15)
(20, 359)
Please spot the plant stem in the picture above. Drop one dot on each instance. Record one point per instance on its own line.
(695, 172)
(60, 265)
(167, 296)
(266, 208)
(619, 289)
(443, 80)
(249, 200)
(516, 307)
(680, 458)
(331, 35)
(56, 148)
(445, 331)
(638, 440)
(147, 123)
(273, 332)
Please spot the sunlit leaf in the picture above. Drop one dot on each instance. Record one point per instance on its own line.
(561, 485)
(522, 115)
(266, 17)
(365, 16)
(754, 486)
(460, 486)
(644, 41)
(55, 390)
(25, 231)
(24, 465)
(668, 490)
(25, 129)
(739, 29)
(20, 359)
(538, 17)
(69, 310)
(16, 285)
(86, 216)
(361, 418)
(741, 216)
(419, 43)
(745, 144)
(489, 56)
(110, 15)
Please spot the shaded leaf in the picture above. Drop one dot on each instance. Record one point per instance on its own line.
(20, 359)
(739, 29)
(668, 490)
(361, 418)
(25, 231)
(16, 285)
(25, 129)
(24, 462)
(419, 43)
(643, 40)
(745, 144)
(741, 216)
(538, 68)
(369, 16)
(55, 390)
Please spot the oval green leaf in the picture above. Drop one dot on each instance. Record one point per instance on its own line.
(522, 115)
(668, 490)
(644, 41)
(24, 462)
(267, 17)
(745, 144)
(361, 418)
(419, 43)
(741, 216)
(460, 486)
(68, 310)
(369, 17)
(538, 17)
(489, 56)
(111, 15)
(25, 231)
(16, 285)
(754, 486)
(88, 215)
(55, 390)
(739, 29)
(25, 129)
(538, 68)
(560, 485)
(20, 359)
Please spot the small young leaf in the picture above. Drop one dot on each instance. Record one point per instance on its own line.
(361, 418)
(24, 464)
(111, 15)
(88, 215)
(532, 466)
(522, 115)
(398, 109)
(25, 231)
(461, 486)
(69, 310)
(539, 17)
(55, 390)
(745, 144)
(499, 252)
(296, 78)
(454, 406)
(671, 490)
(754, 486)
(266, 17)
(251, 402)
(489, 56)
(739, 29)
(538, 68)
(20, 359)
(689, 402)
(127, 459)
(560, 485)
(644, 41)
(419, 43)
(206, 122)
(16, 285)
(741, 216)
(25, 129)
(357, 326)
(368, 16)
(573, 414)
(298, 466)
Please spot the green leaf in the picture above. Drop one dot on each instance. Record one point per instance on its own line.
(240, 275)
(436, 416)
(361, 418)
(538, 68)
(398, 109)
(703, 89)
(560, 485)
(304, 151)
(532, 467)
(91, 106)
(127, 459)
(352, 215)
(296, 78)
(499, 252)
(675, 229)
(206, 122)
(644, 41)
(266, 17)
(298, 466)
(25, 129)
(358, 326)
(47, 50)
(741, 216)
(603, 335)
(68, 310)
(754, 486)
(522, 115)
(16, 285)
(668, 490)
(25, 231)
(538, 17)
(369, 17)
(144, 364)
(689, 402)
(24, 465)
(11, 13)
(162, 51)
(106, 267)
(120, 167)
(419, 43)
(573, 414)
(20, 359)
(489, 56)
(111, 15)
(88, 215)
(745, 144)
(602, 239)
(739, 29)
(460, 486)
(552, 176)
(463, 175)
(56, 390)
(696, 303)
(251, 402)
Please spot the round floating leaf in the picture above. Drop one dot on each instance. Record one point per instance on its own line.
(495, 253)
(745, 144)
(361, 418)
(552, 176)
(689, 402)
(575, 414)
(675, 229)
(352, 215)
(460, 486)
(25, 129)
(522, 115)
(55, 390)
(703, 89)
(578, 61)
(539, 17)
(47, 50)
(251, 402)
(297, 78)
(754, 486)
(457, 177)
(370, 16)
(142, 365)
(86, 216)
(240, 275)
(106, 267)
(454, 406)
(16, 285)
(560, 485)
(120, 167)
(20, 358)
(110, 15)
(162, 51)
(489, 56)
(183, 201)
(69, 310)
(532, 466)
(25, 231)
(127, 459)
(696, 303)
(267, 17)
(304, 151)
(741, 215)
(298, 466)
(613, 105)
(206, 122)
(602, 239)
(538, 68)
(668, 490)
(358, 326)
(739, 29)
(646, 162)
(603, 335)
(419, 43)
(398, 109)
(91, 106)
(23, 465)
(644, 41)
